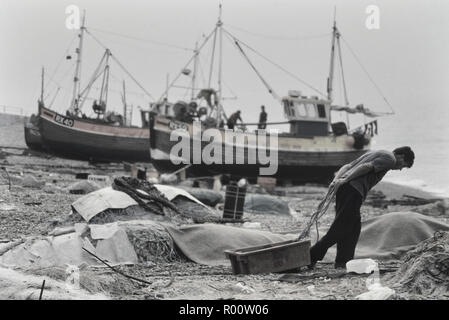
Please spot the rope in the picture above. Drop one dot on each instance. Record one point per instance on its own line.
(115, 270)
(321, 210)
(190, 60)
(278, 66)
(60, 61)
(120, 64)
(142, 40)
(213, 57)
(280, 37)
(270, 89)
(368, 75)
(340, 58)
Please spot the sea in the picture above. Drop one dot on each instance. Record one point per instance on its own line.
(427, 133)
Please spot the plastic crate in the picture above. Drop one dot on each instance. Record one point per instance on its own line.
(275, 257)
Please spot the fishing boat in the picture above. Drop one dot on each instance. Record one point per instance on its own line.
(107, 136)
(313, 149)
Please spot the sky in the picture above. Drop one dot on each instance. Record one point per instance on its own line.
(407, 56)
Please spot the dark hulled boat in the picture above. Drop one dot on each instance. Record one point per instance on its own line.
(313, 149)
(107, 137)
(82, 139)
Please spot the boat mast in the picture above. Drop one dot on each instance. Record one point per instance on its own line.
(219, 95)
(76, 80)
(124, 103)
(195, 63)
(330, 79)
(105, 82)
(42, 87)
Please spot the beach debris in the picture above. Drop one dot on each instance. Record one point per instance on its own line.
(79, 228)
(151, 241)
(42, 290)
(425, 270)
(217, 184)
(4, 247)
(361, 266)
(107, 199)
(143, 193)
(33, 203)
(7, 207)
(116, 270)
(268, 183)
(437, 208)
(196, 212)
(98, 201)
(25, 286)
(243, 288)
(377, 292)
(83, 187)
(252, 225)
(101, 180)
(167, 178)
(206, 196)
(42, 252)
(82, 175)
(30, 181)
(127, 166)
(51, 188)
(139, 172)
(265, 204)
(311, 290)
(234, 201)
(61, 230)
(113, 244)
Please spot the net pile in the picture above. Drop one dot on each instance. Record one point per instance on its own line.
(425, 270)
(152, 243)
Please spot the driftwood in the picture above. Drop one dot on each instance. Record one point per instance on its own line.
(131, 186)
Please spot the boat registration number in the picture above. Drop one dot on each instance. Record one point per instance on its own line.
(177, 125)
(63, 120)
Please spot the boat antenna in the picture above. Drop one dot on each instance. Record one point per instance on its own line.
(76, 79)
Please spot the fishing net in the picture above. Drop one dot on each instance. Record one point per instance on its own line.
(425, 270)
(152, 243)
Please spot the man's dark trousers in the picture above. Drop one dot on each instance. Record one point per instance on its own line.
(345, 230)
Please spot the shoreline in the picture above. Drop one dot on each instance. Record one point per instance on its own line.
(395, 190)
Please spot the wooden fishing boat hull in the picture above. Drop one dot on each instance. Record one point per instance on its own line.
(300, 160)
(33, 137)
(75, 138)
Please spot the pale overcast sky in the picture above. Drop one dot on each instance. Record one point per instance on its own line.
(407, 56)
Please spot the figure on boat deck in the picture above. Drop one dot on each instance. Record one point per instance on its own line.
(262, 119)
(233, 118)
